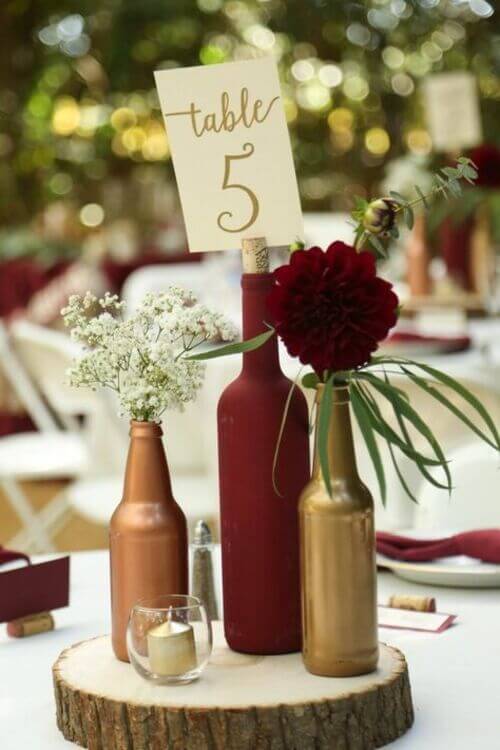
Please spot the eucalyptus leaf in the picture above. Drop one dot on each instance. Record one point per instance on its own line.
(397, 197)
(409, 216)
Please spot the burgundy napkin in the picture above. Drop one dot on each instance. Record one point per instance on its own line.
(32, 588)
(448, 343)
(483, 544)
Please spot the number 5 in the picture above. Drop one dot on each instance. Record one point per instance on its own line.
(248, 150)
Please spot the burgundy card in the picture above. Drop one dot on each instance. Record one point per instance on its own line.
(34, 588)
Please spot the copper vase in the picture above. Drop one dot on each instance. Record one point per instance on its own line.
(338, 571)
(148, 533)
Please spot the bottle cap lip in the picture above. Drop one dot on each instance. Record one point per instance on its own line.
(145, 429)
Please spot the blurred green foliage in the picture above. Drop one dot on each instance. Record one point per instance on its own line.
(79, 112)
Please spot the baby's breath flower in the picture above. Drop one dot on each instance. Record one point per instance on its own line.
(142, 358)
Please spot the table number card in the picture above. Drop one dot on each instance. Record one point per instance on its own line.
(231, 152)
(452, 108)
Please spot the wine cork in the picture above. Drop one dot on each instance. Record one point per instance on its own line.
(31, 625)
(415, 603)
(255, 255)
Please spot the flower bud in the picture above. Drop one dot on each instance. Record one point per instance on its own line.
(380, 216)
(297, 245)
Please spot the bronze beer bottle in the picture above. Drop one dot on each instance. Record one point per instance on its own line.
(148, 533)
(338, 571)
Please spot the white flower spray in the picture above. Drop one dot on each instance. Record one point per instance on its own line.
(143, 357)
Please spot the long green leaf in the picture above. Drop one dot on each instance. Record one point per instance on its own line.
(369, 399)
(237, 348)
(383, 429)
(465, 394)
(325, 411)
(435, 393)
(459, 389)
(281, 430)
(363, 418)
(421, 467)
(404, 408)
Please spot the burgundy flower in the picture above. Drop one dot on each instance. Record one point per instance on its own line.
(330, 308)
(487, 160)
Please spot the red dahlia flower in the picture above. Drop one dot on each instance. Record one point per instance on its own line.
(330, 308)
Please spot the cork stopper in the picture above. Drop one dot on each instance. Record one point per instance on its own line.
(255, 255)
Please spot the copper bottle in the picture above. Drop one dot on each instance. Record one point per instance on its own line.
(339, 591)
(418, 260)
(148, 533)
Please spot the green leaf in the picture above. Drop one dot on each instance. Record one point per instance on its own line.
(280, 433)
(310, 380)
(409, 216)
(422, 196)
(404, 408)
(421, 467)
(399, 473)
(375, 243)
(462, 391)
(380, 425)
(416, 458)
(435, 393)
(398, 197)
(237, 348)
(362, 415)
(455, 188)
(325, 411)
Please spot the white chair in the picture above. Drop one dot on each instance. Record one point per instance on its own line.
(159, 277)
(57, 450)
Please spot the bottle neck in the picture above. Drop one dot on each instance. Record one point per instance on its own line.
(147, 479)
(255, 290)
(341, 456)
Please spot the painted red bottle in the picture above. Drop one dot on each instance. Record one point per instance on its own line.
(259, 529)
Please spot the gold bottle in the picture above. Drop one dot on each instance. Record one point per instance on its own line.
(338, 570)
(147, 533)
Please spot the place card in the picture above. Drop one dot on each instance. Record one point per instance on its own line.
(34, 588)
(452, 109)
(231, 152)
(405, 619)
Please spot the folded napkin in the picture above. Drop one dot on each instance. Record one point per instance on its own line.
(483, 544)
(447, 343)
(8, 555)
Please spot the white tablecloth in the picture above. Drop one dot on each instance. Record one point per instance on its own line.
(454, 675)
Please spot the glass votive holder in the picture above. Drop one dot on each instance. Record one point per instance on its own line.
(169, 639)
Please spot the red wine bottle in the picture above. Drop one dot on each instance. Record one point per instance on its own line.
(259, 528)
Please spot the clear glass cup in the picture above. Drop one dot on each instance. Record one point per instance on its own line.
(169, 639)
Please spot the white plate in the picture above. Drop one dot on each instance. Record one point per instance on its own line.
(460, 571)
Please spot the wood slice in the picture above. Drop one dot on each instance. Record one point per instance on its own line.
(240, 703)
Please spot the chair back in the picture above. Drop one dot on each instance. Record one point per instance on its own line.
(159, 278)
(46, 355)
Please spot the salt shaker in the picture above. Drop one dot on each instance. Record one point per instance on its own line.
(203, 585)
